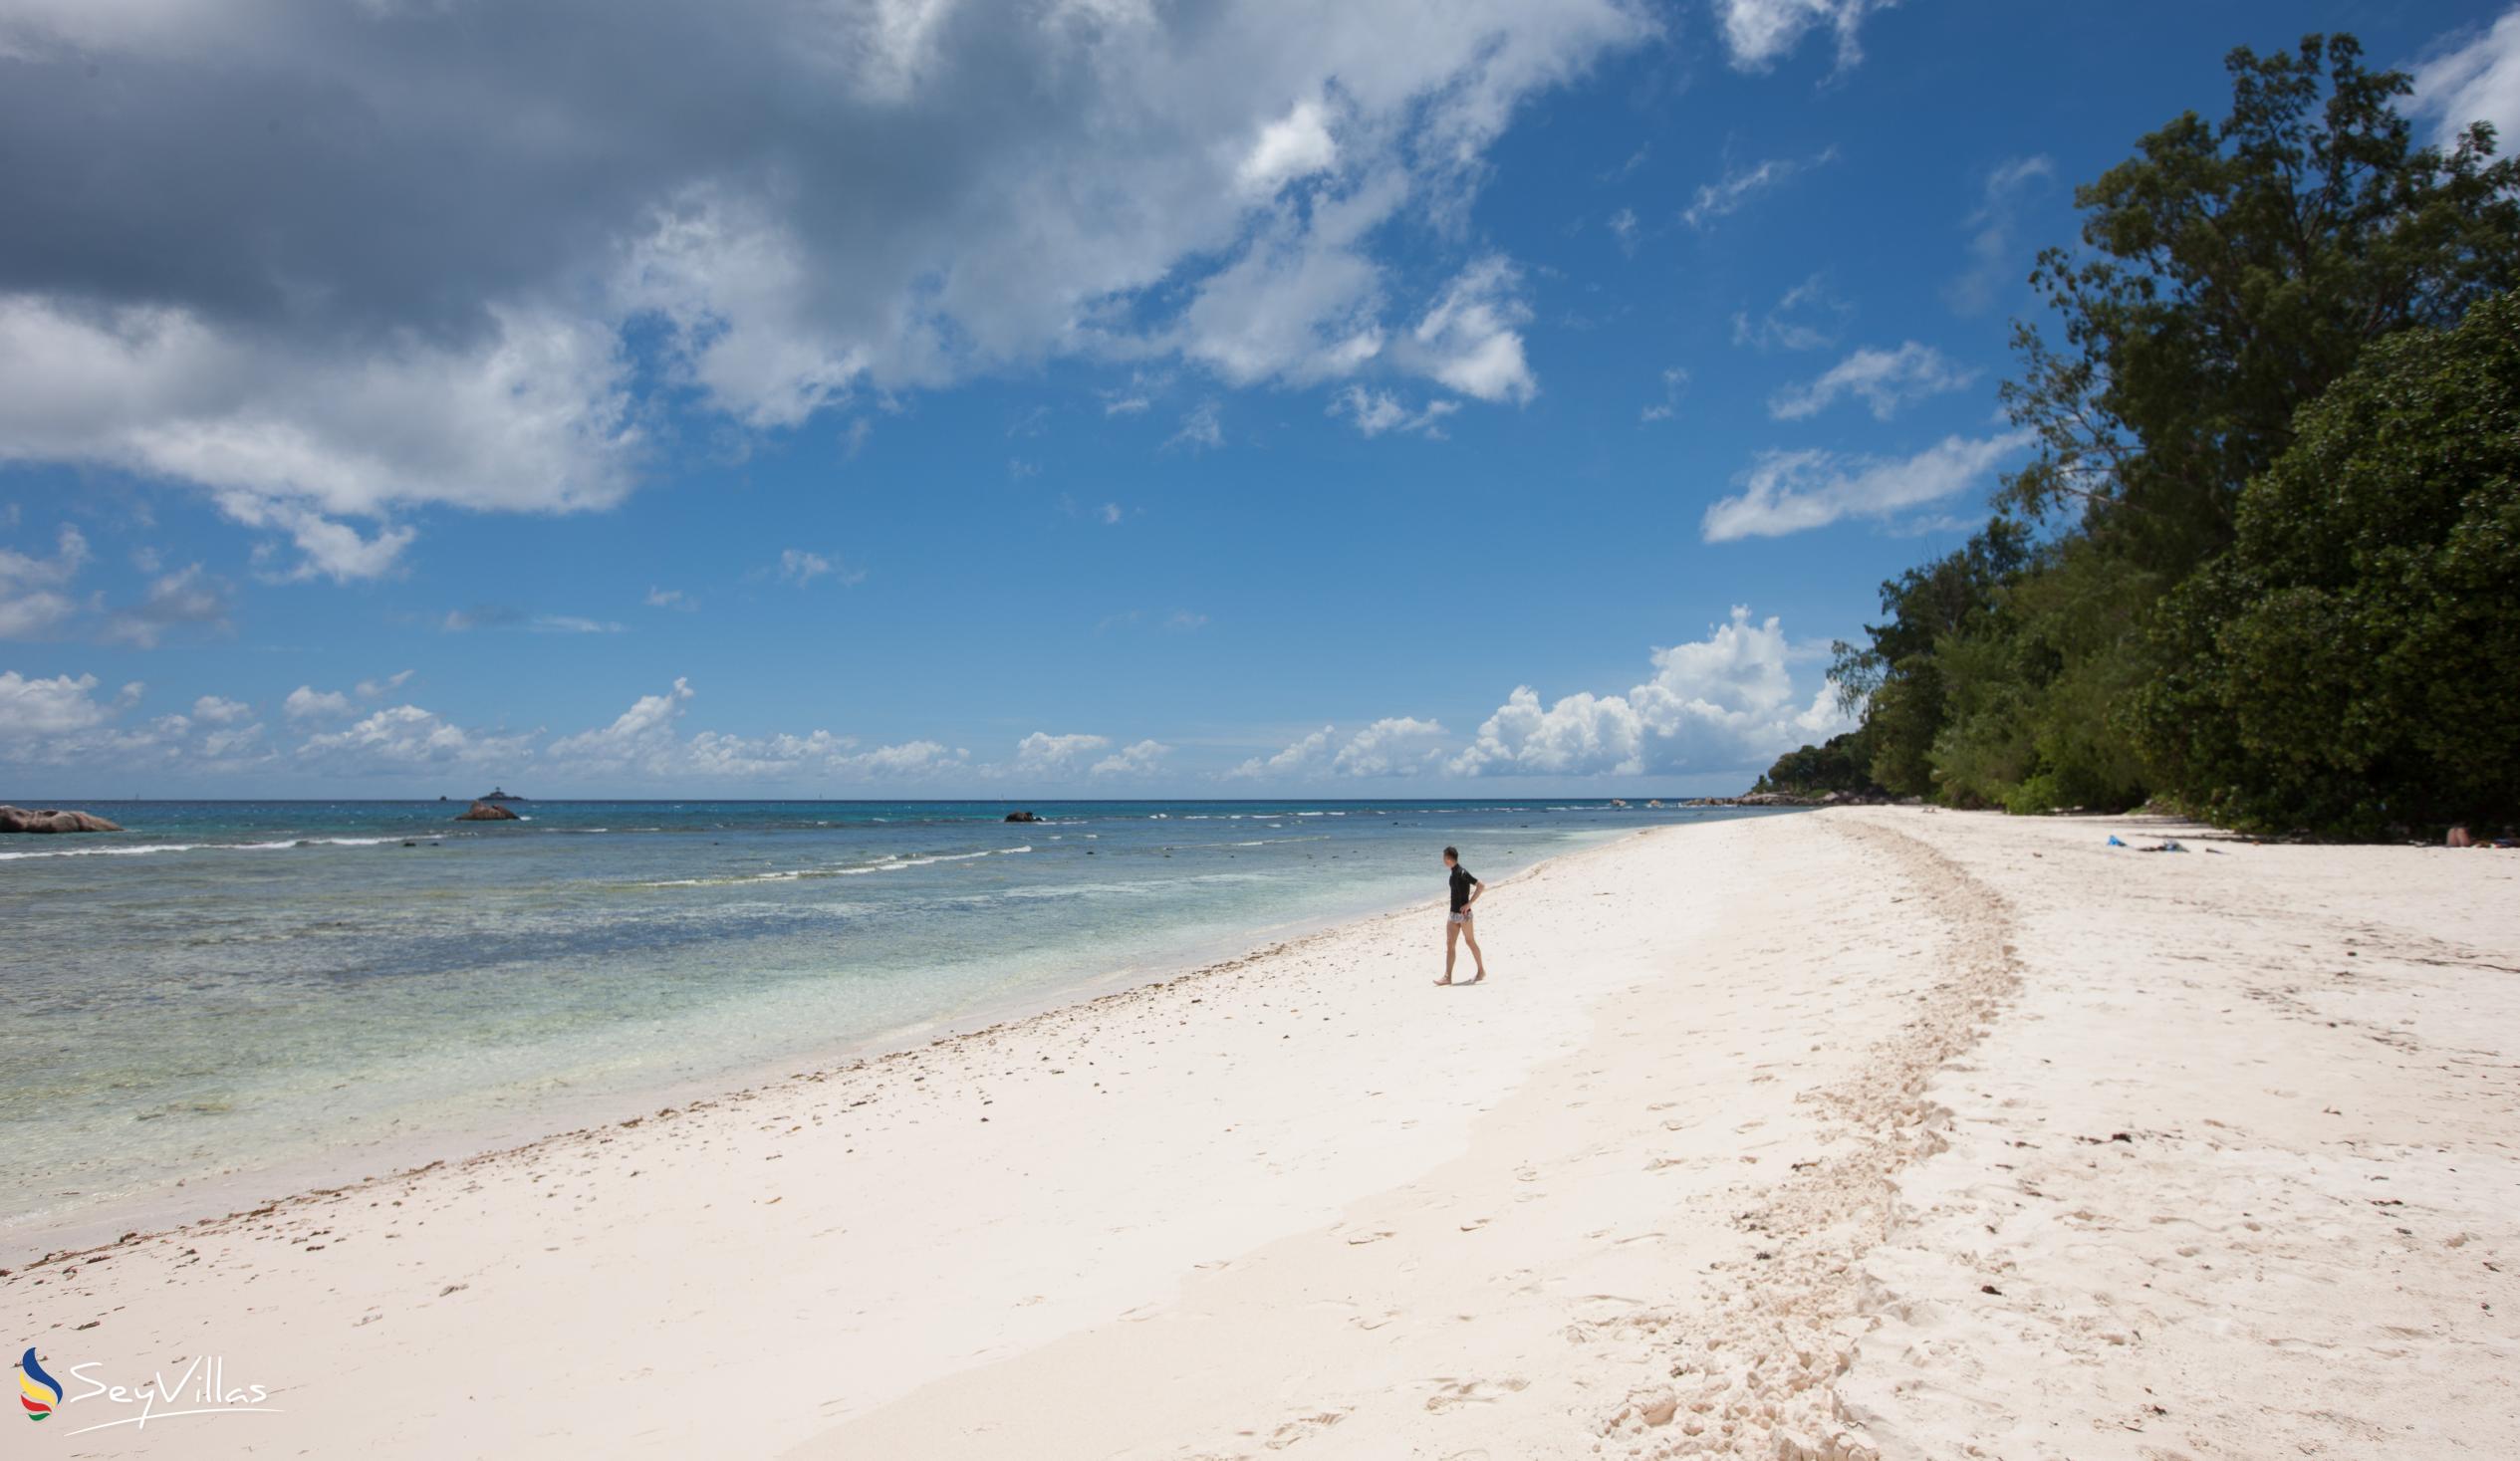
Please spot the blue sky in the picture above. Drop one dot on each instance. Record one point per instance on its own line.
(918, 397)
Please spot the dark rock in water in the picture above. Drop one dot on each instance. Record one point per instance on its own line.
(19, 818)
(1023, 816)
(485, 812)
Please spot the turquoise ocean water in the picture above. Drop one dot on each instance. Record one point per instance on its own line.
(247, 988)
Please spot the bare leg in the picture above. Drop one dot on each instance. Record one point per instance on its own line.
(1471, 936)
(1451, 938)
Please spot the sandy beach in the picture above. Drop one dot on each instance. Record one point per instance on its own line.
(1869, 1132)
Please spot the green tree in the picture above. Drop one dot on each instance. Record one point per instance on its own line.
(2233, 270)
(1895, 676)
(2352, 664)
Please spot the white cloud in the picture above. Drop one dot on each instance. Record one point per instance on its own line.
(1806, 317)
(1393, 746)
(33, 601)
(1044, 751)
(1791, 491)
(383, 684)
(1110, 514)
(1201, 430)
(800, 567)
(1304, 755)
(1623, 227)
(2473, 77)
(1097, 179)
(1723, 702)
(1468, 342)
(404, 739)
(644, 743)
(215, 710)
(1296, 145)
(532, 418)
(309, 703)
(57, 706)
(670, 598)
(1728, 194)
(1991, 252)
(641, 738)
(1133, 760)
(1760, 32)
(1884, 379)
(1674, 380)
(1373, 413)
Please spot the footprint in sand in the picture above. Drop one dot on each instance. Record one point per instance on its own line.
(1303, 1427)
(1449, 1393)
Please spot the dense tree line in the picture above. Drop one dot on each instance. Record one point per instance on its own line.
(2263, 565)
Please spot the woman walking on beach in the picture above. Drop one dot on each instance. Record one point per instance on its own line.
(1458, 929)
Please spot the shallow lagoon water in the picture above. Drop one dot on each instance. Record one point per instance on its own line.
(243, 986)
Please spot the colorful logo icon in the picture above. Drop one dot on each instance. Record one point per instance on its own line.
(38, 1391)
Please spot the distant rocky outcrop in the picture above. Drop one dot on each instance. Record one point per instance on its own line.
(1023, 816)
(20, 819)
(486, 812)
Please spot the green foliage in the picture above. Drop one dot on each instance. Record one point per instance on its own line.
(2352, 663)
(2233, 272)
(2234, 269)
(1896, 677)
(1843, 763)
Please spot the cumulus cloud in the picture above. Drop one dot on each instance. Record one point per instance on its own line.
(1393, 746)
(31, 708)
(1758, 33)
(1734, 191)
(1400, 745)
(1723, 702)
(401, 740)
(309, 703)
(646, 743)
(1041, 751)
(640, 738)
(295, 439)
(2474, 76)
(34, 598)
(1791, 491)
(1991, 249)
(218, 710)
(1884, 380)
(1132, 760)
(62, 723)
(399, 297)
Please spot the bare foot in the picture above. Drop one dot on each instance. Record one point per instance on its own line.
(1480, 978)
(1440, 983)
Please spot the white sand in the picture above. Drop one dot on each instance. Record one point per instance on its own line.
(1723, 1162)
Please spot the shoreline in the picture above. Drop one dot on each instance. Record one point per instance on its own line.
(248, 1191)
(1877, 1135)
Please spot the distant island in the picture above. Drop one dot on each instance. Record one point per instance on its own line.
(498, 794)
